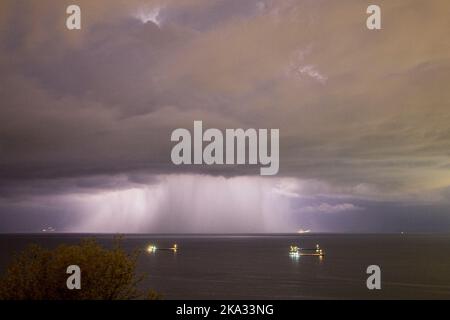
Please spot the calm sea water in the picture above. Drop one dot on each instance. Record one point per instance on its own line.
(259, 267)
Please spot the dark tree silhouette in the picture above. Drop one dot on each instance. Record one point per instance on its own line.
(106, 274)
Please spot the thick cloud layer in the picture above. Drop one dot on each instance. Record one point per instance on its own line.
(363, 115)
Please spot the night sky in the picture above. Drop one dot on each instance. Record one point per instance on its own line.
(86, 116)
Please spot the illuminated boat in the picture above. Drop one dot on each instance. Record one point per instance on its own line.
(295, 251)
(152, 248)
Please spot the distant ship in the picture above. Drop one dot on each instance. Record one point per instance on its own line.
(152, 248)
(49, 229)
(303, 231)
(296, 251)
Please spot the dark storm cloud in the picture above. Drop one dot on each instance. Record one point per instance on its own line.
(361, 114)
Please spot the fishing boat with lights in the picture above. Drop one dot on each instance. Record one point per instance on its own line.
(152, 248)
(296, 251)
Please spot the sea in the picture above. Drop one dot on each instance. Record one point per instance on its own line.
(258, 266)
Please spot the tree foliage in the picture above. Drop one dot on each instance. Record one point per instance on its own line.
(106, 274)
